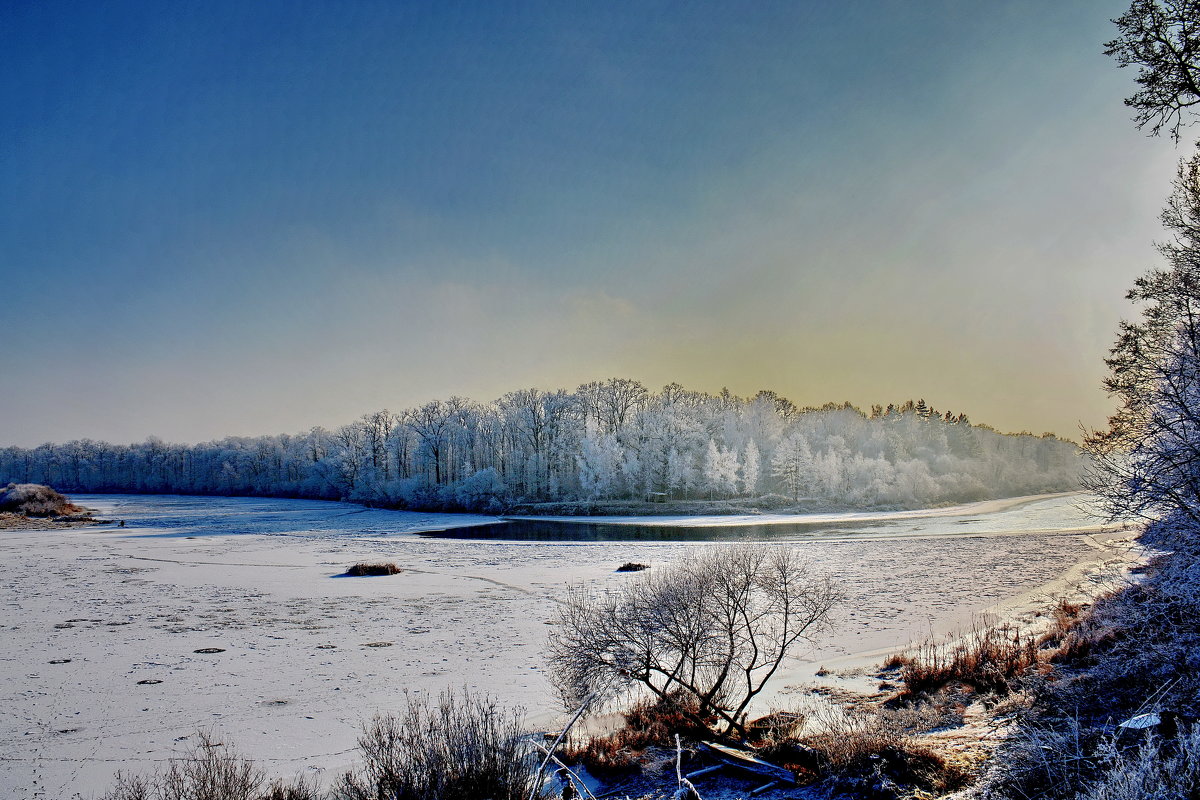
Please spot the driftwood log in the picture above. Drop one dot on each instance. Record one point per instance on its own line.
(747, 762)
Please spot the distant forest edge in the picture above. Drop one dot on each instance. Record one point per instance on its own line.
(611, 440)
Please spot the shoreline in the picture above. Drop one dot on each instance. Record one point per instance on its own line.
(1083, 582)
(20, 522)
(652, 513)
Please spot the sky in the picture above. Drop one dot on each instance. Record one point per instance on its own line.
(229, 218)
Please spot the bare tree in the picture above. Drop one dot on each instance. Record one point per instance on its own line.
(377, 427)
(1163, 38)
(431, 424)
(612, 402)
(351, 441)
(714, 627)
(535, 421)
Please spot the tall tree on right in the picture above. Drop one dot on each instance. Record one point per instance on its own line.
(1148, 459)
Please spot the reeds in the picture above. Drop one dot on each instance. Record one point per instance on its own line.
(364, 570)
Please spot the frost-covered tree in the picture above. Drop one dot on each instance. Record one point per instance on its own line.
(720, 469)
(680, 472)
(557, 445)
(792, 464)
(1149, 456)
(751, 466)
(613, 402)
(600, 460)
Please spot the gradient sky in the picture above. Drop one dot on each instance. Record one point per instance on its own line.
(243, 218)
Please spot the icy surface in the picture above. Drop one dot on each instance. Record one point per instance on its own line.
(297, 673)
(1057, 513)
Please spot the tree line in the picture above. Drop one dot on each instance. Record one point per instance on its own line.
(607, 440)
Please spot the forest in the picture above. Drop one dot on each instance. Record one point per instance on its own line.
(607, 440)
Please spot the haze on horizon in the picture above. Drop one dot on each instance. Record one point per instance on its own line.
(235, 219)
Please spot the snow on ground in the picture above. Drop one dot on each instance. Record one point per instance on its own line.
(100, 669)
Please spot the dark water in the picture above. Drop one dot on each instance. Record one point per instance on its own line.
(1063, 514)
(528, 530)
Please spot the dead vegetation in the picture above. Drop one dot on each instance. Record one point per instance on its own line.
(20, 522)
(870, 751)
(463, 747)
(1135, 652)
(873, 752)
(985, 660)
(36, 500)
(365, 570)
(650, 723)
(210, 770)
(1157, 768)
(992, 660)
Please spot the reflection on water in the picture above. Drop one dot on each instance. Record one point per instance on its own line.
(527, 530)
(1057, 515)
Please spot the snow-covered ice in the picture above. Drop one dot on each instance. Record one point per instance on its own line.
(102, 626)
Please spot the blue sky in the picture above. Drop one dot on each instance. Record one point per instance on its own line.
(239, 218)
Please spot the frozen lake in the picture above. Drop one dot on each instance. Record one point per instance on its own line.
(1064, 513)
(102, 625)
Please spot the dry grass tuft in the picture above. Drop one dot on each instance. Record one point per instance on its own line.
(460, 748)
(988, 660)
(649, 723)
(35, 500)
(775, 726)
(210, 771)
(870, 753)
(363, 570)
(985, 660)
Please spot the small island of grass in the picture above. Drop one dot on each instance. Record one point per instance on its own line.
(33, 506)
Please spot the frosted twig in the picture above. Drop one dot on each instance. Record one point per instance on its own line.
(685, 790)
(578, 780)
(587, 701)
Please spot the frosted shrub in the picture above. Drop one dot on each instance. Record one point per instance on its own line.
(209, 771)
(461, 748)
(1157, 770)
(482, 491)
